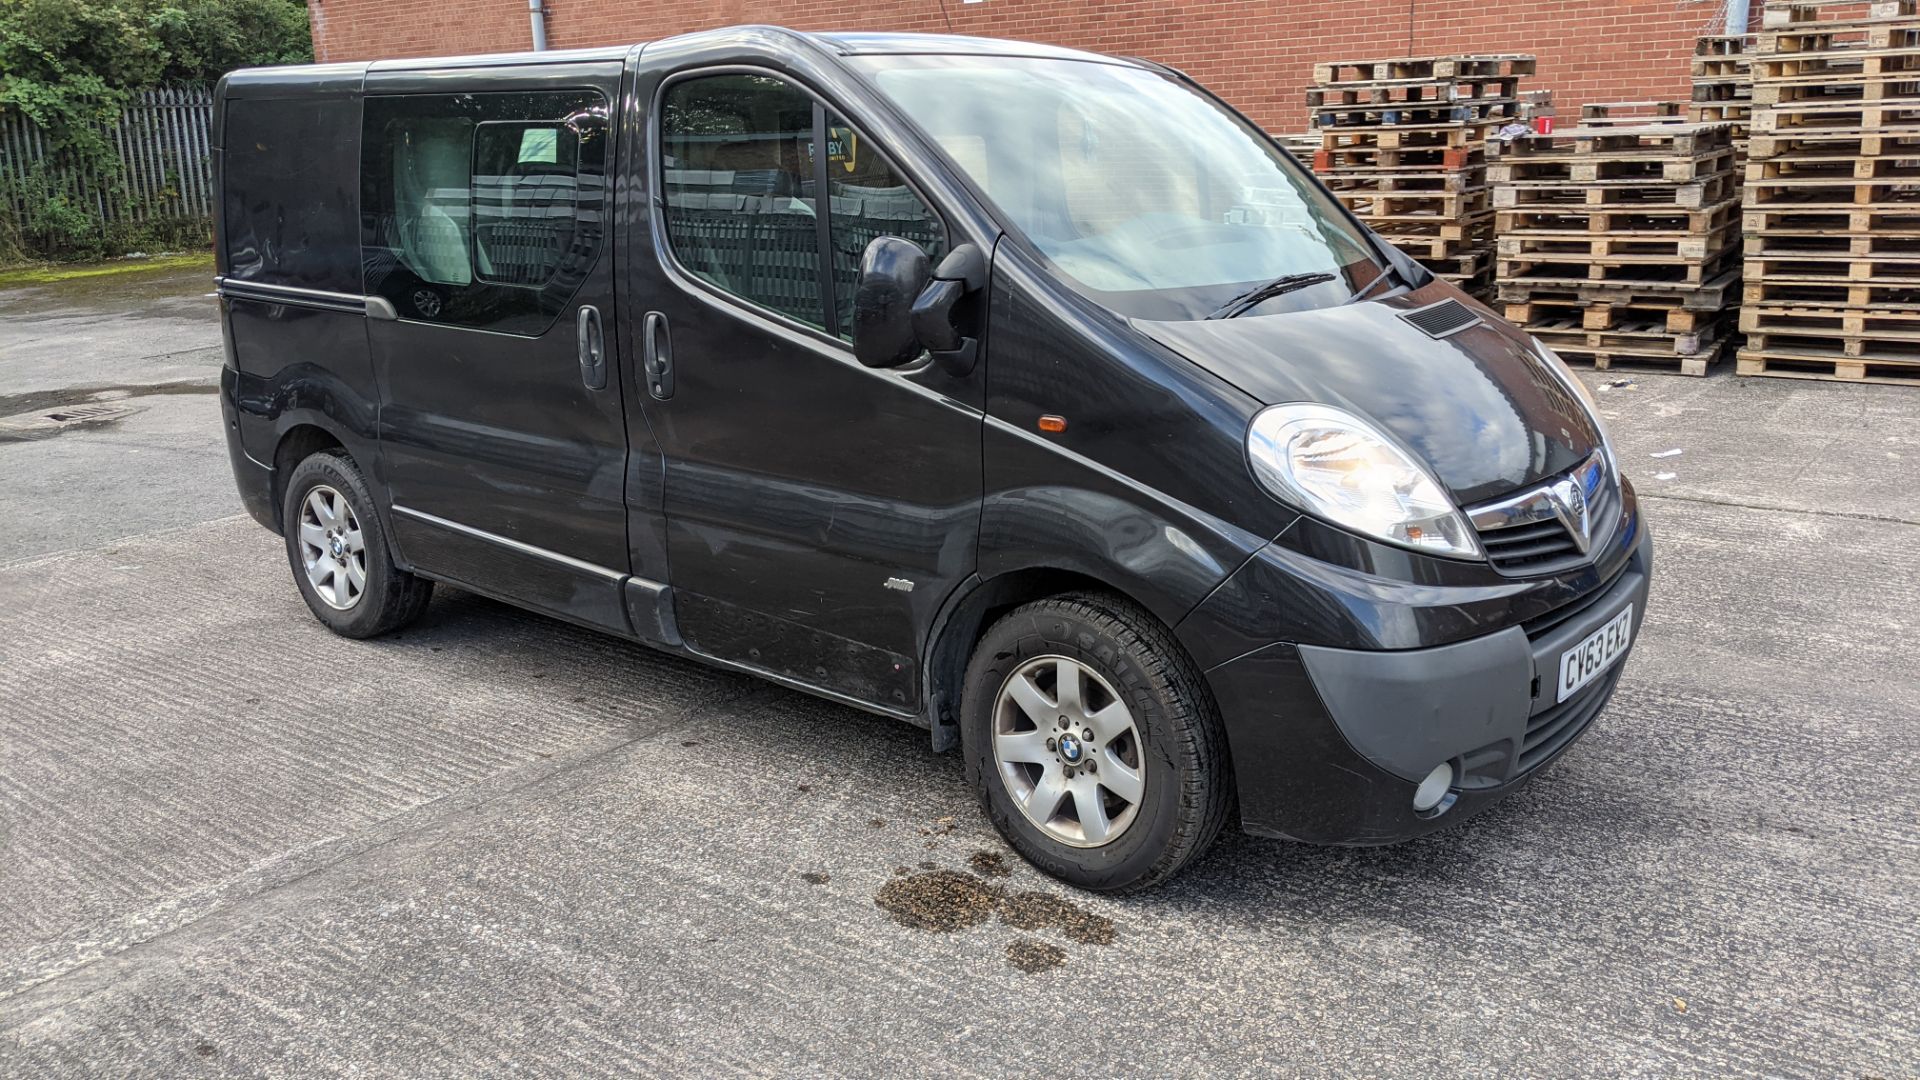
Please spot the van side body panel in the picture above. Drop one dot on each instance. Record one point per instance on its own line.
(287, 251)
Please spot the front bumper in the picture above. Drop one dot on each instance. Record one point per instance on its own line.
(1329, 743)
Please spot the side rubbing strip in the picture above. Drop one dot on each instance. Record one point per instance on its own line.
(516, 545)
(350, 303)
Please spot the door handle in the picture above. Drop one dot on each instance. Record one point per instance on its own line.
(593, 348)
(657, 355)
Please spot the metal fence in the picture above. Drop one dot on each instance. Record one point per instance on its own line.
(162, 140)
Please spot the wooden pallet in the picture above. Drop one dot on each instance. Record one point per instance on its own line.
(1645, 337)
(1873, 269)
(1793, 244)
(1626, 271)
(1797, 116)
(1655, 220)
(1627, 310)
(1602, 247)
(1692, 195)
(1833, 293)
(1890, 89)
(1829, 322)
(1605, 360)
(1415, 115)
(1386, 182)
(1452, 136)
(1787, 191)
(1375, 206)
(1664, 140)
(1833, 36)
(1711, 297)
(1818, 144)
(1826, 367)
(1412, 95)
(1613, 169)
(1839, 66)
(1477, 65)
(1361, 159)
(1812, 216)
(1886, 348)
(1784, 14)
(1807, 169)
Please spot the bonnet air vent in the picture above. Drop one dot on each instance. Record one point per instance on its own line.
(1439, 320)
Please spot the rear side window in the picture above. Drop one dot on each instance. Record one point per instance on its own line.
(289, 192)
(482, 210)
(744, 157)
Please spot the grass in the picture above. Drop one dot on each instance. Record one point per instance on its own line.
(55, 273)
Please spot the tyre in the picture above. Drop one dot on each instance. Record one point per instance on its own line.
(1097, 750)
(339, 554)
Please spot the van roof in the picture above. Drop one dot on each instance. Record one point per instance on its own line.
(844, 44)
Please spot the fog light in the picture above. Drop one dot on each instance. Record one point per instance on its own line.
(1433, 788)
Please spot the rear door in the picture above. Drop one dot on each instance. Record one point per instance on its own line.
(485, 234)
(817, 512)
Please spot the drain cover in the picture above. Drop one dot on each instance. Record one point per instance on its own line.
(45, 425)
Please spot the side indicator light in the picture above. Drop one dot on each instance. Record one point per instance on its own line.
(1053, 425)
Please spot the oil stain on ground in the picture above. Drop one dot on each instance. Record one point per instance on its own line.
(1033, 956)
(946, 901)
(939, 900)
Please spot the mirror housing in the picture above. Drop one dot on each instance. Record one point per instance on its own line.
(892, 274)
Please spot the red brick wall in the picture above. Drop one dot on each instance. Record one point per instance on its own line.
(1259, 54)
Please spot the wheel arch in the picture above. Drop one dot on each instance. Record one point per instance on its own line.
(974, 607)
(299, 442)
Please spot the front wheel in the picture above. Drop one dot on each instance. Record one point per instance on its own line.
(339, 552)
(1094, 743)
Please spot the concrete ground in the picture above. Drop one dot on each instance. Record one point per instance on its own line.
(234, 844)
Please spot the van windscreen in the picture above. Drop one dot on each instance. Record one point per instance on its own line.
(1145, 195)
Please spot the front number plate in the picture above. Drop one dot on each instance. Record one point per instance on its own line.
(1584, 662)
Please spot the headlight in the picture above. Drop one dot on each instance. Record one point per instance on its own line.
(1335, 466)
(1565, 372)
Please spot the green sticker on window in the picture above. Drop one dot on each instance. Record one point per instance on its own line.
(540, 144)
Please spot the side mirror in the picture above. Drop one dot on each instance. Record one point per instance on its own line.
(892, 274)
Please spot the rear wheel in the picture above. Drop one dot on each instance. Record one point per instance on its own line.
(338, 551)
(1096, 748)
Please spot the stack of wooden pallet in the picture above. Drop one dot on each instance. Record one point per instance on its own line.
(1617, 243)
(1403, 145)
(1723, 86)
(1832, 215)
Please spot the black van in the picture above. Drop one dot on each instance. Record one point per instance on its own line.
(1027, 395)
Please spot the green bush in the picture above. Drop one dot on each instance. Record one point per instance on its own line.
(71, 66)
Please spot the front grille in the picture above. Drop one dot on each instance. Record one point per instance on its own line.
(1551, 731)
(1522, 547)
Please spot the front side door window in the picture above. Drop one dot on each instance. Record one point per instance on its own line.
(742, 165)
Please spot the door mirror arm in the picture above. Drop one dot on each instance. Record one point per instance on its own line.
(961, 274)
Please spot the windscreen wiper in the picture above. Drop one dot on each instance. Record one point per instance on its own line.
(1387, 273)
(1279, 286)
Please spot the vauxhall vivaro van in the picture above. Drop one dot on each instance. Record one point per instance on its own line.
(1027, 395)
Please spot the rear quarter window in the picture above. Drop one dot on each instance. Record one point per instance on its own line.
(290, 192)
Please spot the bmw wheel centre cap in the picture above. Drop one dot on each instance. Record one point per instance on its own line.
(1069, 749)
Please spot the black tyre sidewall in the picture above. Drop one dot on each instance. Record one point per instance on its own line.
(372, 615)
(1056, 628)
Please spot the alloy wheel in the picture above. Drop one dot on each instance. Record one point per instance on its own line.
(1069, 751)
(332, 548)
